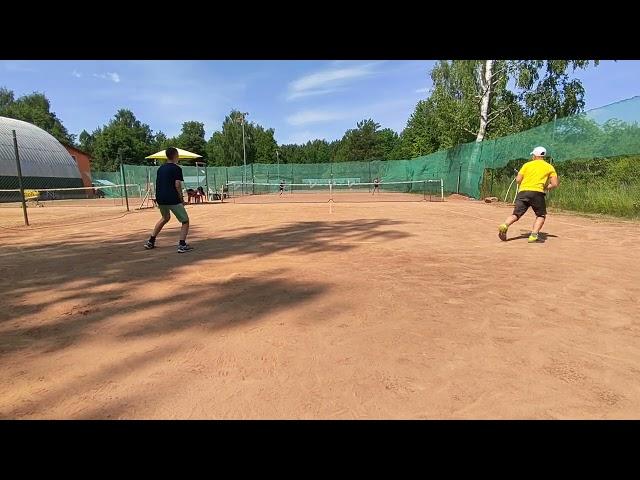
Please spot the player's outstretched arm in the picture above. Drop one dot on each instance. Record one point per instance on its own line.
(554, 182)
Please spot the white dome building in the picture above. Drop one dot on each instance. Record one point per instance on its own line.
(44, 161)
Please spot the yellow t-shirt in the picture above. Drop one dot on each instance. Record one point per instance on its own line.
(535, 175)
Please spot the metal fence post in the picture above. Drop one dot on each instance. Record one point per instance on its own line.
(20, 185)
(124, 183)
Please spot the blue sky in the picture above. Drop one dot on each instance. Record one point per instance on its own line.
(302, 100)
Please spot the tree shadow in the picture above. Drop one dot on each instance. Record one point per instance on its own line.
(58, 292)
(96, 276)
(83, 385)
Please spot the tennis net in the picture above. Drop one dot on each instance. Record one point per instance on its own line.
(97, 196)
(316, 192)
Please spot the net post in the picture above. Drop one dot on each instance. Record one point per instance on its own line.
(124, 183)
(441, 190)
(424, 191)
(20, 185)
(206, 178)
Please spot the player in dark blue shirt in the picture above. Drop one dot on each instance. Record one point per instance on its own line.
(169, 199)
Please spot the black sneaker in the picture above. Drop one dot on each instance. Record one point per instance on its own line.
(149, 245)
(184, 248)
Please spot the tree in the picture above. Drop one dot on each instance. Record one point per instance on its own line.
(419, 136)
(547, 90)
(292, 153)
(388, 141)
(471, 99)
(125, 135)
(191, 138)
(34, 108)
(225, 148)
(160, 141)
(6, 98)
(265, 144)
(366, 142)
(86, 141)
(215, 150)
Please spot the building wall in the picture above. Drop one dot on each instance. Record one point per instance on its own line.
(84, 164)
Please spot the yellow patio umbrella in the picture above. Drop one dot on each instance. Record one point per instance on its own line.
(182, 154)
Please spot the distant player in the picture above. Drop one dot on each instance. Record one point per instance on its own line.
(281, 187)
(169, 198)
(535, 178)
(376, 185)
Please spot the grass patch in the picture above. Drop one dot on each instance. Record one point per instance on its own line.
(602, 186)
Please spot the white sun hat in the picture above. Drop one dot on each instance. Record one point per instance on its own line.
(539, 152)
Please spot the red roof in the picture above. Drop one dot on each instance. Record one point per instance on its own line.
(71, 147)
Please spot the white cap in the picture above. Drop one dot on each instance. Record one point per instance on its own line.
(539, 152)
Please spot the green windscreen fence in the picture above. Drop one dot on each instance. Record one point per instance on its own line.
(606, 132)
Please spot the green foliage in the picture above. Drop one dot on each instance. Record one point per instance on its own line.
(315, 151)
(265, 144)
(547, 90)
(191, 138)
(525, 94)
(34, 108)
(6, 98)
(419, 136)
(86, 141)
(125, 135)
(160, 142)
(608, 186)
(366, 142)
(225, 148)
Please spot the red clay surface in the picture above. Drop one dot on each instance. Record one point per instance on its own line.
(372, 310)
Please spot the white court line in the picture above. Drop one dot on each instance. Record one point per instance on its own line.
(555, 220)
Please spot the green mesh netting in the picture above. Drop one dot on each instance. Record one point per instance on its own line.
(606, 132)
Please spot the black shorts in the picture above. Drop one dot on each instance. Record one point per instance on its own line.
(535, 200)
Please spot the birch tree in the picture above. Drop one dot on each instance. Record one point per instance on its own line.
(473, 100)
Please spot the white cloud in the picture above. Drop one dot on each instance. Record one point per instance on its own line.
(328, 80)
(114, 77)
(76, 74)
(354, 113)
(314, 116)
(193, 91)
(19, 66)
(309, 93)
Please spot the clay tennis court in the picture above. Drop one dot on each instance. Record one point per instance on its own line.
(366, 310)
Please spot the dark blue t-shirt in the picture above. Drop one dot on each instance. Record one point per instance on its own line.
(166, 193)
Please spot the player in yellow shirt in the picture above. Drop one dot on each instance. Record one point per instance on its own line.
(536, 177)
